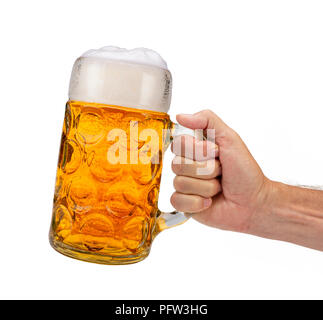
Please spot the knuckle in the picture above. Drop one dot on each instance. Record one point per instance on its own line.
(176, 146)
(233, 134)
(174, 200)
(173, 166)
(208, 112)
(176, 165)
(177, 182)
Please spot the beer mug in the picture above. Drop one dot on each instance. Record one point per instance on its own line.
(115, 131)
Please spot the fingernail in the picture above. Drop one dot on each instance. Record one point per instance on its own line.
(207, 202)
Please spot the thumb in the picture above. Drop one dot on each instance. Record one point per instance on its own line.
(206, 119)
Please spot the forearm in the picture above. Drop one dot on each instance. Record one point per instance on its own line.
(292, 214)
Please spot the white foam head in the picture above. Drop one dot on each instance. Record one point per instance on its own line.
(136, 78)
(138, 55)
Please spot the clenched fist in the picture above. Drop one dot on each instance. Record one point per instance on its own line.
(231, 189)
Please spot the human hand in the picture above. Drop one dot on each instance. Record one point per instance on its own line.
(233, 194)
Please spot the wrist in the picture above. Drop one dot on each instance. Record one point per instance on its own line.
(263, 221)
(291, 214)
(274, 217)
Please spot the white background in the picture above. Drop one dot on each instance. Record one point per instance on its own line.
(257, 64)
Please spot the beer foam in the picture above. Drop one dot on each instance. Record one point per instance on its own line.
(136, 78)
(138, 55)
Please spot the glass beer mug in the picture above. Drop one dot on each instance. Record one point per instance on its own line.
(115, 130)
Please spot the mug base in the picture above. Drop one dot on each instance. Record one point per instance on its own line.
(96, 257)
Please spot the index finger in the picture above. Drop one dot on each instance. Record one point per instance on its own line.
(189, 147)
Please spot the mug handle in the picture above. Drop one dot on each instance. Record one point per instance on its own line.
(166, 220)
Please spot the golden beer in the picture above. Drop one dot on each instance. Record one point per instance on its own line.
(109, 209)
(116, 128)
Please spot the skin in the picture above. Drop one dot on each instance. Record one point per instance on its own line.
(235, 195)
